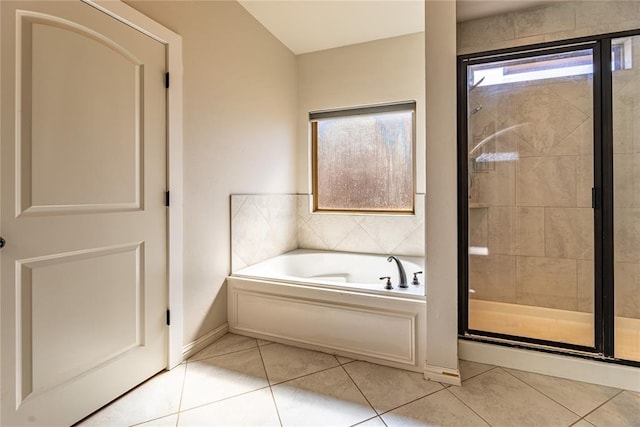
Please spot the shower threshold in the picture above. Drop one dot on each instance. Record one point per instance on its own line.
(551, 324)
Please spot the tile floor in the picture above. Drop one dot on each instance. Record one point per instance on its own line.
(244, 381)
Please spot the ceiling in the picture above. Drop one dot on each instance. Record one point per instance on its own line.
(310, 25)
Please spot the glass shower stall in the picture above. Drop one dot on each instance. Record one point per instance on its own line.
(549, 196)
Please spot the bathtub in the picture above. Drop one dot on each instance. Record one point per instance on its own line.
(333, 302)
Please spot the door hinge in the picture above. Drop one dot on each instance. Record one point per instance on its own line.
(167, 199)
(168, 318)
(166, 80)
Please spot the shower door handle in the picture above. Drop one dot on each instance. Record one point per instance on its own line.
(595, 198)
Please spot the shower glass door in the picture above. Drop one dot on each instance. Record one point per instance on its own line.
(625, 58)
(530, 172)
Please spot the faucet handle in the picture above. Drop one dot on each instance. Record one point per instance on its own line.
(388, 283)
(415, 280)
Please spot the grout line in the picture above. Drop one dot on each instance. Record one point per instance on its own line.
(345, 363)
(602, 404)
(368, 419)
(470, 408)
(223, 399)
(577, 421)
(184, 379)
(191, 359)
(361, 392)
(478, 374)
(246, 198)
(412, 401)
(154, 419)
(273, 397)
(542, 393)
(344, 237)
(306, 375)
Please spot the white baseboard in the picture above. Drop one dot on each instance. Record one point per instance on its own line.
(573, 368)
(195, 346)
(442, 375)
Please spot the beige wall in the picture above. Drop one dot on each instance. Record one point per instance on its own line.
(377, 72)
(239, 136)
(441, 185)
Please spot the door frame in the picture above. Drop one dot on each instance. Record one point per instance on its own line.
(173, 47)
(464, 62)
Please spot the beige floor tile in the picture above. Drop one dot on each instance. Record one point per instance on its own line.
(387, 388)
(327, 398)
(251, 409)
(503, 400)
(579, 397)
(621, 411)
(438, 409)
(583, 423)
(373, 422)
(263, 342)
(471, 369)
(163, 390)
(169, 421)
(229, 343)
(216, 378)
(284, 363)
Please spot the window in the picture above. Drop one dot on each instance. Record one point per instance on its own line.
(571, 64)
(529, 69)
(363, 159)
(621, 50)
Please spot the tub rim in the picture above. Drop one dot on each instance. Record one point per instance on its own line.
(366, 288)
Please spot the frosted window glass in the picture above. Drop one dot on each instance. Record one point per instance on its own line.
(365, 163)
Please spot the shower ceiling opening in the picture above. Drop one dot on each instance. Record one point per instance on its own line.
(549, 196)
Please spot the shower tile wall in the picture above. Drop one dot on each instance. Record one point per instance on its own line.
(532, 213)
(559, 21)
(264, 226)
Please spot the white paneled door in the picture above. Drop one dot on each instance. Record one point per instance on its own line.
(83, 175)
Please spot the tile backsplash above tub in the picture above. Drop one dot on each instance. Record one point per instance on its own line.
(264, 226)
(377, 234)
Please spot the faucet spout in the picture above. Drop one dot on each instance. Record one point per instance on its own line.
(401, 272)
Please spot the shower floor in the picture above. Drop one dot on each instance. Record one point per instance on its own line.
(551, 324)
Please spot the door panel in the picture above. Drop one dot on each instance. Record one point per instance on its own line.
(83, 275)
(626, 195)
(86, 103)
(530, 174)
(107, 281)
